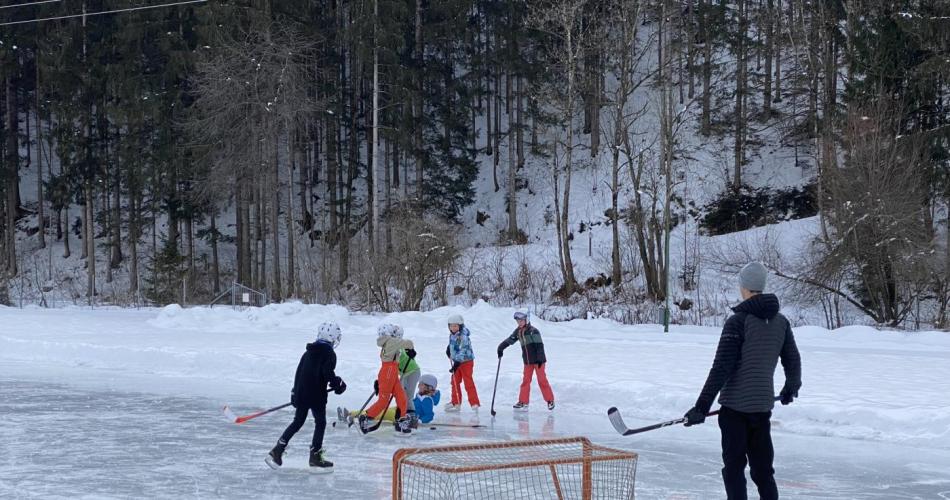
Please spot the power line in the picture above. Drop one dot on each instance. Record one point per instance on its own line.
(27, 4)
(90, 14)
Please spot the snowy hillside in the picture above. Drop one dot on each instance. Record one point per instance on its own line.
(872, 420)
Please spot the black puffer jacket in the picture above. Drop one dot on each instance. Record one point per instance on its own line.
(752, 342)
(314, 374)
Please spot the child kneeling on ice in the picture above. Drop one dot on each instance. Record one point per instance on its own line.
(390, 344)
(314, 374)
(427, 399)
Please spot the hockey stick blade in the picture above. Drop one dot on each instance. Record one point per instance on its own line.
(228, 414)
(616, 420)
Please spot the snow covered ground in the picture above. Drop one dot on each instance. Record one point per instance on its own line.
(113, 403)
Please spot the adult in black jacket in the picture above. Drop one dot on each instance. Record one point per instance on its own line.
(752, 342)
(315, 373)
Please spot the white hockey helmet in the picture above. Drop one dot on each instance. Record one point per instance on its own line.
(389, 330)
(329, 333)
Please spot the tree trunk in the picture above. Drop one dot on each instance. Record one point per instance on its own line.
(373, 152)
(277, 292)
(420, 91)
(107, 208)
(239, 228)
(690, 48)
(769, 49)
(570, 282)
(260, 228)
(215, 264)
(41, 203)
(777, 16)
(134, 233)
(90, 243)
(512, 188)
(291, 231)
(391, 174)
(116, 219)
(497, 131)
(705, 128)
(520, 122)
(616, 275)
(740, 114)
(189, 277)
(12, 177)
(333, 234)
(66, 252)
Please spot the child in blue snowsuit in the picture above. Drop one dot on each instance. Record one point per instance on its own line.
(427, 398)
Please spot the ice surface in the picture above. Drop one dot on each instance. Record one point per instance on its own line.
(127, 403)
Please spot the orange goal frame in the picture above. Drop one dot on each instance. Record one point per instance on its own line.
(587, 457)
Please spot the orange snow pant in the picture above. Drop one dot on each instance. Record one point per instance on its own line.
(389, 386)
(525, 393)
(463, 374)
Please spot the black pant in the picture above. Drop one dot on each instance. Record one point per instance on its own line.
(747, 436)
(300, 416)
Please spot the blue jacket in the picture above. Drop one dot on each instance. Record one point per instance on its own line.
(460, 346)
(425, 406)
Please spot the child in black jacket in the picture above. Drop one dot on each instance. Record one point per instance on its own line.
(314, 374)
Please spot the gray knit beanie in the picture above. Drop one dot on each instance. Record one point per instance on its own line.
(752, 277)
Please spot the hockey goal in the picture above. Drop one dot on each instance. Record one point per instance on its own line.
(565, 468)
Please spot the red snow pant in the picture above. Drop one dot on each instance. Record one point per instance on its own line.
(464, 374)
(389, 386)
(525, 394)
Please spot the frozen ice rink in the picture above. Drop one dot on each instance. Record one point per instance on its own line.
(127, 404)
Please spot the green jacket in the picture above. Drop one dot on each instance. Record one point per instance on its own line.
(407, 364)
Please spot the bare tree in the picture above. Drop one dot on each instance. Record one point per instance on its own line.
(252, 92)
(623, 54)
(564, 20)
(877, 232)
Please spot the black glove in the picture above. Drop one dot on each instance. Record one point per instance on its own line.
(695, 416)
(539, 364)
(411, 353)
(376, 387)
(787, 396)
(340, 386)
(455, 366)
(293, 399)
(501, 351)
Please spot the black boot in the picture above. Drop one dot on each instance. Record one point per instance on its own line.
(275, 456)
(317, 460)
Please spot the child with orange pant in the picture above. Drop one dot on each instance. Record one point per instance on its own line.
(390, 342)
(460, 353)
(532, 354)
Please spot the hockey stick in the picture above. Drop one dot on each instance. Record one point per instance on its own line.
(495, 389)
(464, 426)
(365, 404)
(614, 415)
(240, 420)
(228, 414)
